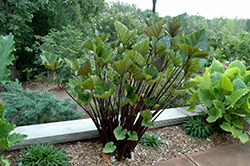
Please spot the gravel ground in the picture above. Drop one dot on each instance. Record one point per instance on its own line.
(176, 143)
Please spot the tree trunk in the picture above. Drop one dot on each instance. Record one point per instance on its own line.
(154, 3)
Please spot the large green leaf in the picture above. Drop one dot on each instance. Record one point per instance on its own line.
(109, 147)
(235, 96)
(122, 66)
(159, 62)
(192, 67)
(124, 34)
(237, 123)
(213, 114)
(138, 73)
(244, 138)
(91, 82)
(101, 91)
(119, 133)
(142, 47)
(206, 96)
(193, 51)
(238, 64)
(50, 60)
(225, 84)
(6, 58)
(246, 79)
(176, 58)
(216, 66)
(136, 57)
(232, 73)
(174, 28)
(236, 132)
(155, 30)
(194, 98)
(74, 66)
(84, 98)
(198, 38)
(85, 69)
(158, 47)
(226, 126)
(238, 84)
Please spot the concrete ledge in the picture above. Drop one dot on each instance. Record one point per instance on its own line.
(75, 130)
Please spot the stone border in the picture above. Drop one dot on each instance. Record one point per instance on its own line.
(81, 129)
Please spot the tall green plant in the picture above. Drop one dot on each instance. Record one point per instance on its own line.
(226, 96)
(122, 87)
(6, 139)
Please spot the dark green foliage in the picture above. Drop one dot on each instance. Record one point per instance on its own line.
(151, 140)
(25, 107)
(43, 154)
(197, 128)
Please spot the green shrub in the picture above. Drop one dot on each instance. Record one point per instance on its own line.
(151, 140)
(123, 83)
(25, 107)
(226, 94)
(197, 128)
(43, 154)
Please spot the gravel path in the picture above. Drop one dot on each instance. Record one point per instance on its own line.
(176, 143)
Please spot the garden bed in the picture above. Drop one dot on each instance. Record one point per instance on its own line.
(176, 143)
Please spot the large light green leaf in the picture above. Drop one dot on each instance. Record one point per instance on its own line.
(124, 34)
(215, 78)
(155, 30)
(119, 133)
(213, 114)
(238, 84)
(122, 66)
(136, 57)
(74, 66)
(236, 132)
(232, 73)
(6, 58)
(142, 47)
(205, 82)
(194, 98)
(244, 138)
(246, 79)
(225, 84)
(50, 60)
(226, 126)
(218, 104)
(235, 96)
(238, 64)
(15, 138)
(206, 96)
(216, 66)
(85, 69)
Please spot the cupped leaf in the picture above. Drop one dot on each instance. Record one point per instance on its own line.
(142, 47)
(137, 73)
(109, 147)
(193, 52)
(91, 82)
(124, 34)
(156, 29)
(176, 58)
(122, 66)
(74, 66)
(173, 28)
(232, 73)
(225, 84)
(6, 58)
(238, 64)
(133, 136)
(101, 91)
(119, 133)
(84, 98)
(85, 69)
(136, 57)
(50, 60)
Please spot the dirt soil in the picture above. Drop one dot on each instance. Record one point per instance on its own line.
(176, 143)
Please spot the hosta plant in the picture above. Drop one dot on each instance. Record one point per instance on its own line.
(226, 96)
(6, 139)
(197, 128)
(151, 140)
(124, 84)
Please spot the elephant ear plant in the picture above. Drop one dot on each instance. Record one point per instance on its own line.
(6, 139)
(128, 80)
(226, 94)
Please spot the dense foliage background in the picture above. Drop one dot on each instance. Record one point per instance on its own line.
(31, 22)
